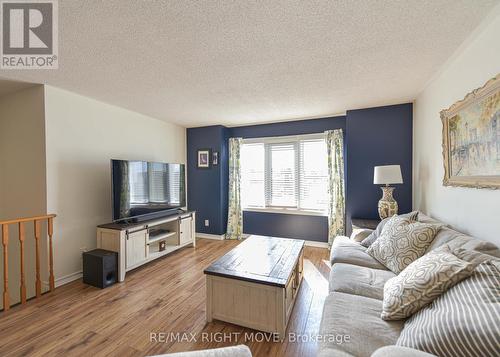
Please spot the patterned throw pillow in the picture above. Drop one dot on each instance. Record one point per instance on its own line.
(421, 282)
(412, 216)
(402, 242)
(461, 322)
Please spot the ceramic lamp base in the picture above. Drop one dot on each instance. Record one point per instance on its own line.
(387, 206)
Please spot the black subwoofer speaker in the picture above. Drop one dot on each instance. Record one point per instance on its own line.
(100, 268)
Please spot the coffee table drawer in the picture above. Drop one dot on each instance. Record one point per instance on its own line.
(290, 295)
(299, 269)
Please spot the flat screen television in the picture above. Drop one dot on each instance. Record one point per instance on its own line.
(143, 190)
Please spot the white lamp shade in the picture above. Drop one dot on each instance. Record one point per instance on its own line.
(385, 175)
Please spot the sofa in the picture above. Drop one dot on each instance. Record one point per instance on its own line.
(231, 351)
(351, 313)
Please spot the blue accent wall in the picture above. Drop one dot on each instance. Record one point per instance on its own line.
(373, 136)
(313, 228)
(205, 186)
(224, 179)
(377, 136)
(298, 127)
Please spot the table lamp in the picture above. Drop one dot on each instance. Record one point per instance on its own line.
(386, 175)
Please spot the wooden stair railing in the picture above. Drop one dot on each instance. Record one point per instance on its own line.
(37, 220)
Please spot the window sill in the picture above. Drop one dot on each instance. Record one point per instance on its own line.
(286, 211)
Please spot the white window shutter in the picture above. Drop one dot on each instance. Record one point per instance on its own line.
(313, 175)
(282, 178)
(253, 175)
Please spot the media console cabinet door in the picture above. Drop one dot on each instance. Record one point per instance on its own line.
(185, 234)
(136, 247)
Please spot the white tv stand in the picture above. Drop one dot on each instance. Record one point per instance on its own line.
(139, 243)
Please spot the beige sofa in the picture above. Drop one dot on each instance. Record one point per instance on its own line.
(232, 351)
(351, 323)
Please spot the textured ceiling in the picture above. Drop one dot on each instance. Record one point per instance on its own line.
(238, 62)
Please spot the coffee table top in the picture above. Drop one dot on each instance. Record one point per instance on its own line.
(259, 259)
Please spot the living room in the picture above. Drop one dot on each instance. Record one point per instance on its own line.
(292, 178)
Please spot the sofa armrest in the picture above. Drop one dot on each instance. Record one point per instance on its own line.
(399, 351)
(233, 351)
(358, 235)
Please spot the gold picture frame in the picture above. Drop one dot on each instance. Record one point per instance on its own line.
(471, 139)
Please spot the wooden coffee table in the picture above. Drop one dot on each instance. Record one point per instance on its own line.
(255, 284)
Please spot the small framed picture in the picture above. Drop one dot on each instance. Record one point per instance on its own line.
(215, 158)
(204, 158)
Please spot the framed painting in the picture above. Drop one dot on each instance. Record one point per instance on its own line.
(215, 158)
(471, 139)
(204, 156)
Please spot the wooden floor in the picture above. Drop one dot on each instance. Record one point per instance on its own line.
(166, 296)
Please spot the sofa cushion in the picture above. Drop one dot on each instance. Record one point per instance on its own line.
(426, 219)
(359, 318)
(398, 351)
(412, 216)
(450, 237)
(359, 235)
(330, 352)
(347, 251)
(357, 280)
(482, 246)
(456, 239)
(402, 242)
(231, 351)
(375, 234)
(461, 322)
(421, 282)
(470, 256)
(453, 239)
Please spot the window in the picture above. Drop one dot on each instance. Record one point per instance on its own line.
(282, 178)
(285, 173)
(253, 187)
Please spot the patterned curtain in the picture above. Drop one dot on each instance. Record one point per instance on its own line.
(336, 202)
(235, 212)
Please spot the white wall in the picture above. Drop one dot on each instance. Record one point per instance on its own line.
(82, 135)
(474, 211)
(22, 175)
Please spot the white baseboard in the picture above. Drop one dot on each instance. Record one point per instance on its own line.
(210, 236)
(311, 243)
(68, 278)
